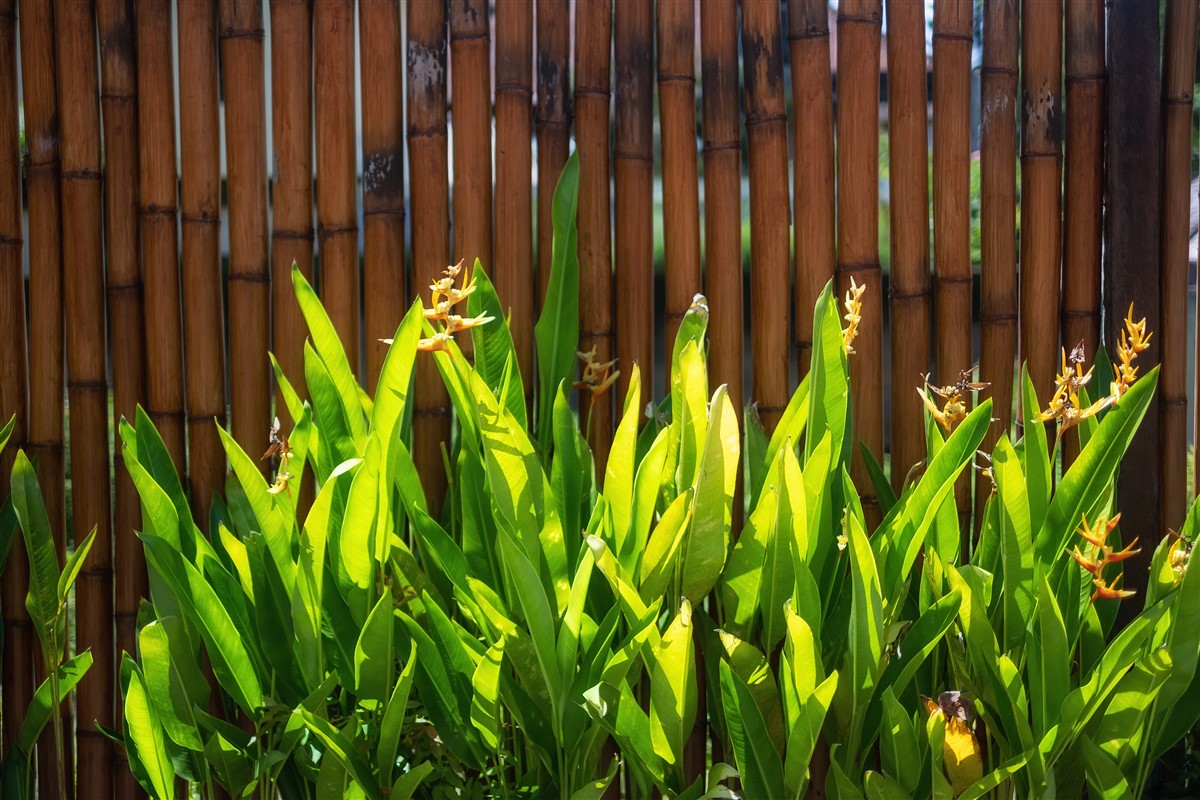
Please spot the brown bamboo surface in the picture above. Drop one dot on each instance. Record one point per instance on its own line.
(337, 211)
(593, 33)
(553, 122)
(1041, 177)
(200, 195)
(87, 380)
(908, 144)
(766, 133)
(998, 231)
(677, 118)
(385, 298)
(514, 161)
(292, 191)
(812, 91)
(633, 183)
(858, 220)
(430, 223)
(723, 197)
(1179, 66)
(241, 35)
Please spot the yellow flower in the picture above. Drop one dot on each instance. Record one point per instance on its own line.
(954, 410)
(596, 377)
(962, 758)
(444, 295)
(853, 316)
(1134, 340)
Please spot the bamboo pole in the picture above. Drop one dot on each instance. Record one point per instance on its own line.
(292, 190)
(908, 143)
(430, 223)
(1041, 176)
(87, 379)
(593, 29)
(337, 212)
(1179, 66)
(514, 162)
(45, 428)
(677, 118)
(766, 132)
(633, 184)
(812, 129)
(998, 233)
(384, 294)
(241, 36)
(553, 122)
(858, 219)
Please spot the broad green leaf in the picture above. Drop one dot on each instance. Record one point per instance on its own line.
(329, 347)
(356, 567)
(392, 725)
(803, 735)
(1049, 661)
(620, 469)
(707, 540)
(1104, 776)
(566, 469)
(673, 689)
(536, 607)
(373, 655)
(741, 587)
(788, 431)
(898, 748)
(879, 480)
(43, 704)
(485, 702)
(689, 417)
(42, 602)
(495, 354)
(758, 762)
(407, 784)
(880, 787)
(865, 642)
(144, 740)
(395, 376)
(645, 495)
(173, 680)
(785, 553)
(337, 746)
(829, 381)
(1016, 542)
(1036, 452)
(662, 553)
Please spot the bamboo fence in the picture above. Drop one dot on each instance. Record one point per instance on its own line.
(553, 121)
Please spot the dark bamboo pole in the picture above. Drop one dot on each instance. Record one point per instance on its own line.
(87, 378)
(384, 294)
(241, 35)
(292, 190)
(514, 161)
(553, 122)
(337, 211)
(908, 144)
(593, 33)
(858, 218)
(812, 129)
(471, 127)
(766, 132)
(429, 181)
(998, 231)
(681, 192)
(633, 184)
(1179, 66)
(1041, 177)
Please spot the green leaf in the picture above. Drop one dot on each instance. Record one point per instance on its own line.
(392, 725)
(758, 761)
(173, 680)
(622, 460)
(495, 354)
(865, 643)
(881, 787)
(829, 390)
(788, 431)
(879, 480)
(328, 346)
(662, 551)
(42, 601)
(144, 740)
(1016, 542)
(1036, 452)
(538, 617)
(407, 785)
(707, 540)
(1103, 775)
(74, 564)
(337, 746)
(43, 704)
(1049, 661)
(673, 689)
(395, 376)
(650, 475)
(373, 655)
(898, 748)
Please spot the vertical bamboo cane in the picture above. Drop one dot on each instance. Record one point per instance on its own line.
(1041, 177)
(593, 29)
(430, 223)
(766, 131)
(858, 218)
(384, 295)
(241, 36)
(998, 233)
(681, 192)
(45, 439)
(633, 179)
(514, 161)
(1179, 65)
(337, 212)
(908, 143)
(812, 127)
(292, 191)
(553, 122)
(200, 189)
(87, 381)
(471, 126)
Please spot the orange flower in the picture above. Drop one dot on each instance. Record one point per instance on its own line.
(444, 295)
(1101, 555)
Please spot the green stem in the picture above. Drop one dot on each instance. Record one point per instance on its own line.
(56, 714)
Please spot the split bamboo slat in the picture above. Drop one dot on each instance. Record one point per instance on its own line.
(241, 35)
(593, 34)
(430, 223)
(292, 189)
(200, 196)
(18, 661)
(633, 184)
(998, 232)
(87, 380)
(1083, 187)
(908, 144)
(766, 133)
(812, 91)
(858, 220)
(1179, 66)
(514, 178)
(385, 298)
(1041, 178)
(553, 122)
(44, 442)
(337, 209)
(723, 198)
(677, 119)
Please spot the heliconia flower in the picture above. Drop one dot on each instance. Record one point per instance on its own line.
(1083, 561)
(435, 343)
(1106, 591)
(596, 377)
(853, 316)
